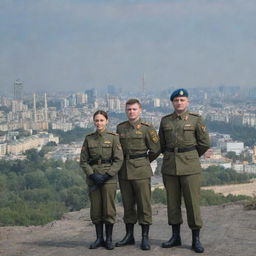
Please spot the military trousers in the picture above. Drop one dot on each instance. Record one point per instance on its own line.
(136, 196)
(103, 204)
(189, 187)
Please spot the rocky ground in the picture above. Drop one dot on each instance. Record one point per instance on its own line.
(228, 230)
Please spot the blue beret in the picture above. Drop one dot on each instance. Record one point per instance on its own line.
(179, 93)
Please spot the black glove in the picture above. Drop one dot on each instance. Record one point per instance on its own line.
(106, 177)
(97, 178)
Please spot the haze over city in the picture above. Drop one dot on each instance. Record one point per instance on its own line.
(61, 45)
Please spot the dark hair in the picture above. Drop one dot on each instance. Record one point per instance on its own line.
(133, 101)
(101, 112)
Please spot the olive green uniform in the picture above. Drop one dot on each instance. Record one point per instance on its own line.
(102, 153)
(140, 144)
(183, 140)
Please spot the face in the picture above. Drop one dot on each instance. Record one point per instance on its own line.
(133, 112)
(100, 122)
(180, 104)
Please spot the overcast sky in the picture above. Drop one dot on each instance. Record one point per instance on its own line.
(79, 44)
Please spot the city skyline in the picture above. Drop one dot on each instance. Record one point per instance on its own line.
(63, 45)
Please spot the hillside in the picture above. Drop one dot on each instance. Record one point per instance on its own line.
(228, 230)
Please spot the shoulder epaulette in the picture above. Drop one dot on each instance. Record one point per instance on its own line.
(113, 133)
(194, 114)
(122, 123)
(90, 134)
(168, 115)
(145, 123)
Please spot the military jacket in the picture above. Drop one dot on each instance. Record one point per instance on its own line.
(138, 138)
(101, 147)
(183, 131)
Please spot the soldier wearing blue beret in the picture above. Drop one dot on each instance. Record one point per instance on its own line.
(179, 93)
(183, 138)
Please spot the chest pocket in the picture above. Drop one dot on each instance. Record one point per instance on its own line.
(106, 150)
(189, 133)
(94, 150)
(136, 142)
(168, 134)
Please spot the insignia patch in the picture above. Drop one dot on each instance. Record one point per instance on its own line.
(203, 127)
(138, 126)
(153, 135)
(155, 139)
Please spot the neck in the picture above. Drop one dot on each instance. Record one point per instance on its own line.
(180, 112)
(101, 130)
(134, 120)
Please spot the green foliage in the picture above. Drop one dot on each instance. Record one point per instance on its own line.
(36, 192)
(217, 175)
(77, 134)
(239, 133)
(209, 197)
(250, 204)
(159, 196)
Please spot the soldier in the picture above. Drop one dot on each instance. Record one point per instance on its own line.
(141, 146)
(101, 158)
(183, 139)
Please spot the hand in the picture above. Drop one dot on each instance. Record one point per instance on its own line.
(106, 177)
(97, 178)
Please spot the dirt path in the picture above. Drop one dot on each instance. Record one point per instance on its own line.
(228, 231)
(248, 189)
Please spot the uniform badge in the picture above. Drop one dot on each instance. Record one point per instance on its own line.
(138, 126)
(107, 142)
(138, 132)
(203, 127)
(186, 118)
(153, 135)
(181, 93)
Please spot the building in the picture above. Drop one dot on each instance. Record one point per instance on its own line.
(236, 147)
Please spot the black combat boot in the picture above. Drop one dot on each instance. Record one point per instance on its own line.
(99, 237)
(129, 238)
(109, 230)
(196, 244)
(175, 240)
(145, 245)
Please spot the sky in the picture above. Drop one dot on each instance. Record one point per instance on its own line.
(63, 45)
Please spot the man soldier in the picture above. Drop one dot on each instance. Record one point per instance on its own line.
(141, 146)
(183, 139)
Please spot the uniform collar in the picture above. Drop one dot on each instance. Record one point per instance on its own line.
(135, 124)
(101, 133)
(183, 116)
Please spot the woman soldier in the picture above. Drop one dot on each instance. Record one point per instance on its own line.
(101, 158)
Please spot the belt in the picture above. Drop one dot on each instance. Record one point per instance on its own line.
(180, 150)
(100, 161)
(136, 156)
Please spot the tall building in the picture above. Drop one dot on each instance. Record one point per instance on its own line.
(34, 108)
(91, 96)
(45, 108)
(18, 90)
